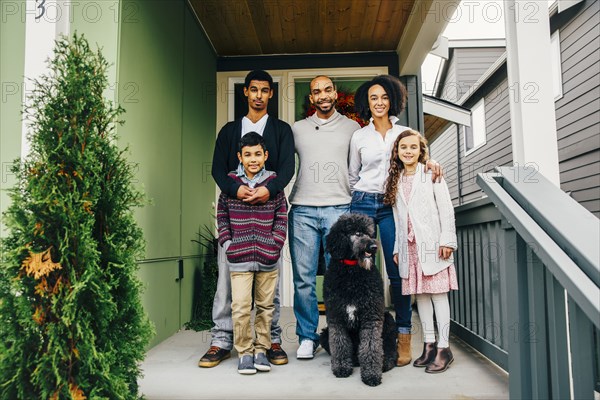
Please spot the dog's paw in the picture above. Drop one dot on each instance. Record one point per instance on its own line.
(388, 364)
(371, 380)
(342, 372)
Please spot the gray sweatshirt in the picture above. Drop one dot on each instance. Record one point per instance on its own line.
(322, 148)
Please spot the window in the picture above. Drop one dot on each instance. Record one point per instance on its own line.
(556, 65)
(475, 135)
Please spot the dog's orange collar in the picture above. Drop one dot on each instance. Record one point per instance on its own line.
(349, 262)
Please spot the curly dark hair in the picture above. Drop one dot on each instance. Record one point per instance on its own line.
(396, 166)
(393, 87)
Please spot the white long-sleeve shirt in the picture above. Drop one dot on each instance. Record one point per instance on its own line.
(370, 157)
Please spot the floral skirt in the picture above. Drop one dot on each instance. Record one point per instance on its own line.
(418, 283)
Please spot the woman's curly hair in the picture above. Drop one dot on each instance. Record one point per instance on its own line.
(393, 88)
(396, 165)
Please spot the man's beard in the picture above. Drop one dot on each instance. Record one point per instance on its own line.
(333, 104)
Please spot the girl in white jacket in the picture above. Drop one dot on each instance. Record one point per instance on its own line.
(425, 241)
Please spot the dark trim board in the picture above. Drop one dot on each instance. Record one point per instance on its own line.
(305, 61)
(476, 212)
(559, 20)
(413, 115)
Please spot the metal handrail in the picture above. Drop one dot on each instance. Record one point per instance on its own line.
(578, 284)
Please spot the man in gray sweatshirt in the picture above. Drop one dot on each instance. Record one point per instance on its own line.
(320, 195)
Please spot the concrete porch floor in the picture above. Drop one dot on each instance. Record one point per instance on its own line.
(171, 372)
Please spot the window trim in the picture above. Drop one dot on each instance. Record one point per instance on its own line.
(556, 61)
(479, 105)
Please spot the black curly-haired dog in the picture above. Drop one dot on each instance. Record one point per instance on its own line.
(360, 332)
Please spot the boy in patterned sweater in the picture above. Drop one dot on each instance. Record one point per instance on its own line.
(252, 237)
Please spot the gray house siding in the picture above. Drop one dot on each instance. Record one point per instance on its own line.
(578, 111)
(449, 90)
(465, 67)
(443, 150)
(462, 172)
(497, 150)
(471, 64)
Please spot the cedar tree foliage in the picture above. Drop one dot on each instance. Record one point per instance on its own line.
(71, 320)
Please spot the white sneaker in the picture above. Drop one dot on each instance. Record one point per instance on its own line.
(307, 349)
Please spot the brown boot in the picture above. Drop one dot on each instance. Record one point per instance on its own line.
(442, 361)
(429, 353)
(404, 354)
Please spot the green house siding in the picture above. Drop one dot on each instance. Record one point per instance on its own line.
(163, 72)
(166, 81)
(198, 137)
(12, 65)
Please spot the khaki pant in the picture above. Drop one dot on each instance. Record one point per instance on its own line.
(241, 304)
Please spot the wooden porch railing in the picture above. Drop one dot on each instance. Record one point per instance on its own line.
(529, 277)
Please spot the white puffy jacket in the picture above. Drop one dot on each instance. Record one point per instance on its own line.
(432, 216)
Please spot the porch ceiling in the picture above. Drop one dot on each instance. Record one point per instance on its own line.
(254, 27)
(434, 125)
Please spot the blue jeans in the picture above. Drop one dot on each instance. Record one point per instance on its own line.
(371, 204)
(308, 226)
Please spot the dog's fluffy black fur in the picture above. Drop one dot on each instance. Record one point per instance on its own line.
(359, 330)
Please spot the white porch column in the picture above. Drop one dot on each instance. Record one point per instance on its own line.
(532, 112)
(45, 21)
(427, 21)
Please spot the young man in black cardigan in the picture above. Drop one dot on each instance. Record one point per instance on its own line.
(279, 140)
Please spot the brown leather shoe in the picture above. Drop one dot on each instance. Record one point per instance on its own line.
(213, 357)
(277, 355)
(404, 355)
(442, 361)
(429, 353)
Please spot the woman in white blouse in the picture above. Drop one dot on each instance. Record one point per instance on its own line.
(381, 100)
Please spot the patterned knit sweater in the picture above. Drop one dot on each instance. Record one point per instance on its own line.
(257, 232)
